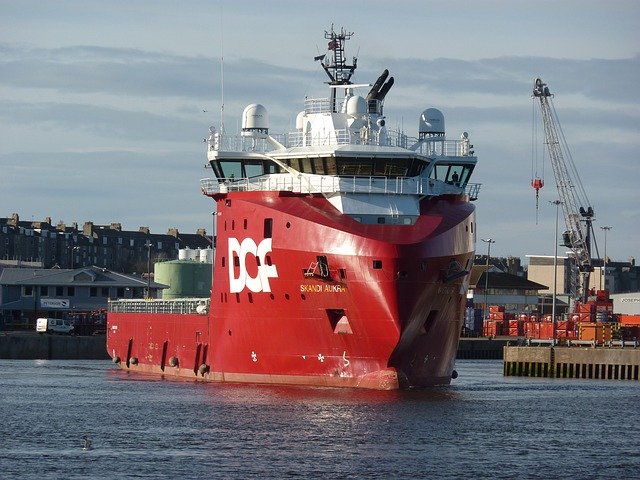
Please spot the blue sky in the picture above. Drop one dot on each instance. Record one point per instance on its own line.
(101, 103)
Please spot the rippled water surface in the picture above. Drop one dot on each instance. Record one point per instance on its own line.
(483, 426)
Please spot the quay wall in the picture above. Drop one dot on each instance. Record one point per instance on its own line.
(32, 346)
(482, 348)
(621, 363)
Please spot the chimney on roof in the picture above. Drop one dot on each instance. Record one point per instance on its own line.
(74, 226)
(202, 232)
(87, 229)
(632, 261)
(173, 232)
(61, 227)
(15, 218)
(47, 220)
(116, 226)
(144, 230)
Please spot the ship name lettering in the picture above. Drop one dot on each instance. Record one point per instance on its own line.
(259, 283)
(310, 288)
(334, 288)
(322, 289)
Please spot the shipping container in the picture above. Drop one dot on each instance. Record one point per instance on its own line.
(595, 331)
(629, 320)
(493, 328)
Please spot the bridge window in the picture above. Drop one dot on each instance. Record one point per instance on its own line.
(234, 169)
(252, 169)
(453, 174)
(231, 169)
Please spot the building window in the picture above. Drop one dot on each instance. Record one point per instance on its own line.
(59, 291)
(105, 291)
(27, 291)
(93, 291)
(44, 291)
(104, 240)
(71, 291)
(120, 292)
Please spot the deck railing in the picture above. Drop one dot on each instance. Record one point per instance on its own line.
(329, 184)
(337, 137)
(179, 305)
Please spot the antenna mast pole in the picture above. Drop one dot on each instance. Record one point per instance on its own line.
(339, 72)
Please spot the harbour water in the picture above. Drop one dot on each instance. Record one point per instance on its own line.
(483, 426)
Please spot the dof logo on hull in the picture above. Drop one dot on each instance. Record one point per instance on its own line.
(259, 283)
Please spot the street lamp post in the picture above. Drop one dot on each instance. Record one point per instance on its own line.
(488, 241)
(603, 285)
(557, 203)
(148, 269)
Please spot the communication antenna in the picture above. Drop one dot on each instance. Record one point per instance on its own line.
(221, 70)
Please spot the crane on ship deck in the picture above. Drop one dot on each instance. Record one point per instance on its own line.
(577, 211)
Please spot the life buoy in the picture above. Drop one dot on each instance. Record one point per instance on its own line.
(116, 359)
(133, 361)
(204, 368)
(173, 361)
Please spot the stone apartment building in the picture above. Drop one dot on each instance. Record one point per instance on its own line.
(44, 245)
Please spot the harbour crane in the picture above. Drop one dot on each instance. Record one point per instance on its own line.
(577, 211)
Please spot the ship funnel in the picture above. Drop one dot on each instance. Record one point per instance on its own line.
(373, 93)
(376, 95)
(385, 89)
(255, 120)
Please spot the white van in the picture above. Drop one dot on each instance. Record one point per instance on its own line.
(53, 325)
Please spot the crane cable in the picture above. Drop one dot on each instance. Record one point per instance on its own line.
(536, 182)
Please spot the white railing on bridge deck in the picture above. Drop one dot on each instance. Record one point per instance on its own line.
(330, 184)
(178, 305)
(391, 138)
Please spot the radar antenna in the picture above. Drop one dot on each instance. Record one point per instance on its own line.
(335, 65)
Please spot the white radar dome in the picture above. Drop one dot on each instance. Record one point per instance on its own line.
(255, 119)
(431, 122)
(356, 106)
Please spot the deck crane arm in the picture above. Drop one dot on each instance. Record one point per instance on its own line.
(578, 215)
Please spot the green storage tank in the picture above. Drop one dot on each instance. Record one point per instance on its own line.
(186, 278)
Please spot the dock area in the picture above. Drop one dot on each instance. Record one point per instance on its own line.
(33, 346)
(482, 348)
(615, 361)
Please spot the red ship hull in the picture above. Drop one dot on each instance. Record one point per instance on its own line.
(303, 294)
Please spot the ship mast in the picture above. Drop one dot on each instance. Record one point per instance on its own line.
(336, 66)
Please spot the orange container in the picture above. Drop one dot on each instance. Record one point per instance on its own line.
(496, 308)
(595, 331)
(516, 328)
(546, 330)
(629, 320)
(532, 329)
(492, 328)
